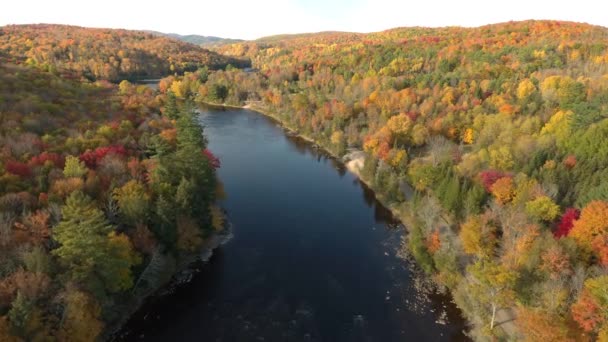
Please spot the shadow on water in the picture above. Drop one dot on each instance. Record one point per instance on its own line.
(313, 256)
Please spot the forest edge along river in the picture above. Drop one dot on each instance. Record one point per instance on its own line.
(313, 257)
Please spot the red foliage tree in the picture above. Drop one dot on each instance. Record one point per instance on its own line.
(570, 161)
(92, 158)
(213, 160)
(566, 222)
(489, 177)
(43, 157)
(19, 169)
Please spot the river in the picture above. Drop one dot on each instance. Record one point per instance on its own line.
(313, 256)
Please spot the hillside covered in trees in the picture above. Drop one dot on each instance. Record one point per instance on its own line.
(501, 132)
(204, 41)
(107, 54)
(102, 196)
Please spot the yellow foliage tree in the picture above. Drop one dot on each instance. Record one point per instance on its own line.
(399, 124)
(468, 137)
(337, 137)
(81, 319)
(501, 158)
(420, 135)
(189, 236)
(217, 217)
(525, 89)
(178, 89)
(478, 236)
(397, 157)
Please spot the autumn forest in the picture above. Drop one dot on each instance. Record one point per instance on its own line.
(488, 143)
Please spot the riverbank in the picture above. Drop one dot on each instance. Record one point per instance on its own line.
(353, 162)
(186, 267)
(307, 235)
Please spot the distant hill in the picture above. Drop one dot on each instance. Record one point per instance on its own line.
(317, 36)
(205, 41)
(109, 54)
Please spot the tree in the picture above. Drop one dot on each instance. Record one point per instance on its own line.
(537, 325)
(117, 267)
(133, 201)
(212, 159)
(542, 208)
(88, 249)
(589, 311)
(422, 175)
(419, 135)
(556, 262)
(203, 74)
(525, 89)
(178, 88)
(592, 222)
(5, 331)
(81, 317)
(600, 248)
(492, 284)
(170, 109)
(489, 177)
(503, 190)
(468, 136)
(478, 236)
(19, 169)
(19, 313)
(184, 195)
(74, 168)
(188, 234)
(433, 242)
(566, 222)
(218, 92)
(338, 142)
(400, 125)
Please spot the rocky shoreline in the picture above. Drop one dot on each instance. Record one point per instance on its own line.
(187, 268)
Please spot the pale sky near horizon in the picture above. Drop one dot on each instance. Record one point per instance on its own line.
(253, 19)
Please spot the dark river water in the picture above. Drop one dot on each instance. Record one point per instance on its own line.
(312, 258)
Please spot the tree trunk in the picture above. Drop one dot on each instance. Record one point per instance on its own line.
(493, 316)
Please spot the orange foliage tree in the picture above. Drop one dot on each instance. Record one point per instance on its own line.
(593, 222)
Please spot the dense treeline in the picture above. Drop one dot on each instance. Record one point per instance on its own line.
(101, 198)
(106, 53)
(500, 131)
(204, 41)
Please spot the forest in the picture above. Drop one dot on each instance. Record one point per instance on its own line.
(488, 143)
(106, 54)
(106, 190)
(500, 133)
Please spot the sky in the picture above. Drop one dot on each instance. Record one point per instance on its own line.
(250, 19)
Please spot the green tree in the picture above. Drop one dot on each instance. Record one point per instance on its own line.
(218, 92)
(74, 167)
(86, 247)
(184, 195)
(370, 165)
(542, 208)
(19, 313)
(171, 109)
(203, 74)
